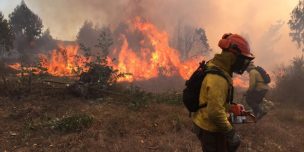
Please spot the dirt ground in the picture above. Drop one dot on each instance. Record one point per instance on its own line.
(117, 127)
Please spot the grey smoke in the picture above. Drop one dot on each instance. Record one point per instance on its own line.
(268, 41)
(65, 17)
(69, 15)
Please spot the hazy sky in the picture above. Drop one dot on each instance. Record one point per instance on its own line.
(251, 18)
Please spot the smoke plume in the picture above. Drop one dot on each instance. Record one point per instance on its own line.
(251, 18)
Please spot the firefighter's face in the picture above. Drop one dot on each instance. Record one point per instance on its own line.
(240, 64)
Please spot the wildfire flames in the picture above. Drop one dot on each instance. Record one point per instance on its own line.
(19, 67)
(154, 58)
(65, 61)
(150, 62)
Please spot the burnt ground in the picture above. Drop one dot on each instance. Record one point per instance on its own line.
(25, 125)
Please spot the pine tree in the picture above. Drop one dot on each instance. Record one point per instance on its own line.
(6, 35)
(25, 23)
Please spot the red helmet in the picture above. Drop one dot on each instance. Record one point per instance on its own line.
(237, 43)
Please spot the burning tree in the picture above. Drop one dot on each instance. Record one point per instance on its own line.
(97, 75)
(144, 50)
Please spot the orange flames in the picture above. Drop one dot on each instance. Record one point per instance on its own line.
(241, 81)
(24, 70)
(154, 58)
(15, 66)
(65, 61)
(150, 62)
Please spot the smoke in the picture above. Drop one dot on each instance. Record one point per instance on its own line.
(67, 16)
(250, 18)
(268, 41)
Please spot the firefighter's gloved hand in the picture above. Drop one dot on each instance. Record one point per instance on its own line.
(233, 140)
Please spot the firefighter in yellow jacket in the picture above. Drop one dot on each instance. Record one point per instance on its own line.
(256, 91)
(211, 123)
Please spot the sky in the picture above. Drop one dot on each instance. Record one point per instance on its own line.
(262, 22)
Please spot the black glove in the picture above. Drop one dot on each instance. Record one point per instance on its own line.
(233, 140)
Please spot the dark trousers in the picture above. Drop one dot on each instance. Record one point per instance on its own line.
(210, 141)
(254, 98)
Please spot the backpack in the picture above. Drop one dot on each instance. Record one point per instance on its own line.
(264, 74)
(191, 93)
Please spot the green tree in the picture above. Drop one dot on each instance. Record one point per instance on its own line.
(296, 24)
(25, 23)
(6, 35)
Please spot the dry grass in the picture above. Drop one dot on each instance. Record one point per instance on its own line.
(116, 127)
(280, 130)
(133, 121)
(156, 127)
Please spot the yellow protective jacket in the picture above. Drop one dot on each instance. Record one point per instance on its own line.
(214, 92)
(256, 81)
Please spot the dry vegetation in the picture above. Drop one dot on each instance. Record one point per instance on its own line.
(290, 83)
(49, 118)
(119, 123)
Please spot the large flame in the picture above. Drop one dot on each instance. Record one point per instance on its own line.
(154, 58)
(159, 59)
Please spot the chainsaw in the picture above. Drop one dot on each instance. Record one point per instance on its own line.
(238, 114)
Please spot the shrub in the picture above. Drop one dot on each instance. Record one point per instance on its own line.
(137, 97)
(290, 82)
(72, 123)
